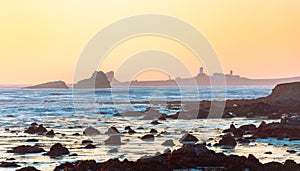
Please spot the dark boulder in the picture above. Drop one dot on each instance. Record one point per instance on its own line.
(29, 168)
(227, 140)
(148, 137)
(57, 150)
(188, 138)
(24, 149)
(34, 129)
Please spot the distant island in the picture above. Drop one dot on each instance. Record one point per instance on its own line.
(99, 79)
(54, 84)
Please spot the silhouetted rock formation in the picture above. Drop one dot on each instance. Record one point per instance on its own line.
(50, 85)
(187, 157)
(98, 80)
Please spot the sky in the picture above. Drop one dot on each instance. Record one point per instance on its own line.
(41, 41)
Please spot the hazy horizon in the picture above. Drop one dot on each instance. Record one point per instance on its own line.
(41, 42)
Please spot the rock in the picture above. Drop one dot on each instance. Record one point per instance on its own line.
(50, 85)
(86, 142)
(91, 131)
(153, 131)
(114, 150)
(274, 116)
(32, 140)
(148, 137)
(50, 133)
(29, 168)
(9, 164)
(24, 149)
(168, 143)
(34, 129)
(291, 165)
(155, 122)
(57, 150)
(113, 130)
(247, 128)
(98, 80)
(286, 92)
(188, 156)
(228, 140)
(268, 152)
(277, 130)
(76, 134)
(113, 140)
(90, 146)
(188, 138)
(130, 131)
(291, 151)
(238, 133)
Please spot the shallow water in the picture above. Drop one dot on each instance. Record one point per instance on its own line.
(56, 110)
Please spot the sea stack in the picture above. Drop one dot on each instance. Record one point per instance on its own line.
(98, 80)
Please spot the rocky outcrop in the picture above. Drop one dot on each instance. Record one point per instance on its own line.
(50, 85)
(98, 80)
(287, 128)
(288, 92)
(25, 149)
(189, 156)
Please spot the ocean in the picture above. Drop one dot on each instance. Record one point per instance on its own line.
(71, 111)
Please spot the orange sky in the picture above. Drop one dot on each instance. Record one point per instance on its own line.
(41, 40)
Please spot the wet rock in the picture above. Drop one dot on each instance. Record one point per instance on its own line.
(34, 129)
(238, 133)
(291, 151)
(24, 149)
(227, 140)
(57, 150)
(188, 156)
(86, 142)
(153, 131)
(155, 122)
(148, 137)
(114, 150)
(130, 130)
(188, 138)
(113, 140)
(29, 168)
(32, 140)
(90, 146)
(10, 159)
(291, 165)
(168, 143)
(274, 116)
(268, 152)
(113, 130)
(247, 129)
(76, 134)
(91, 131)
(73, 154)
(277, 130)
(9, 164)
(50, 133)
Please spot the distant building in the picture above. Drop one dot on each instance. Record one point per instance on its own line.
(201, 71)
